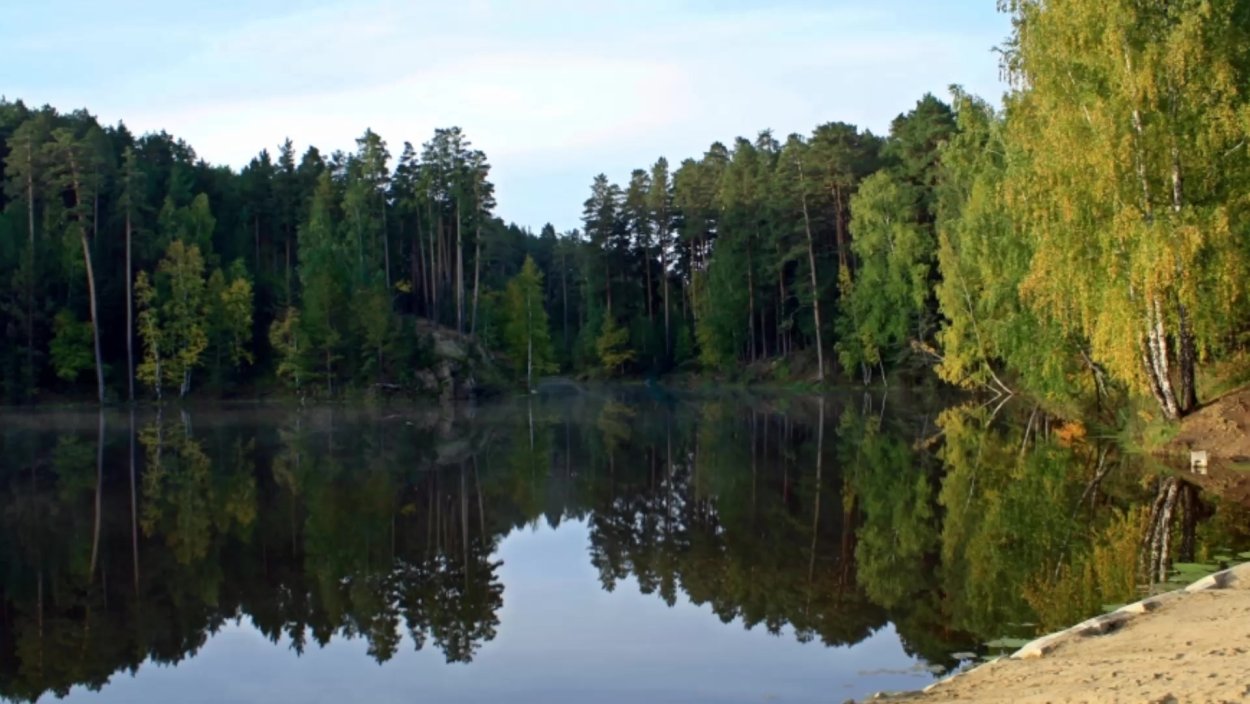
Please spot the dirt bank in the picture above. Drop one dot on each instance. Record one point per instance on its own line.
(1193, 647)
(1221, 428)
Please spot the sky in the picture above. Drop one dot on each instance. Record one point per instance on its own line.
(554, 91)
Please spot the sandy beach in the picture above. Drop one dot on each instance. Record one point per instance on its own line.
(1194, 647)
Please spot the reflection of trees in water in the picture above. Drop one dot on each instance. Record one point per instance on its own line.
(1044, 527)
(738, 508)
(142, 539)
(309, 534)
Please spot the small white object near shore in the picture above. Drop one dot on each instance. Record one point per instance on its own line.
(1198, 461)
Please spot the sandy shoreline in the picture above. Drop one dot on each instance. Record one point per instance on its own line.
(1187, 646)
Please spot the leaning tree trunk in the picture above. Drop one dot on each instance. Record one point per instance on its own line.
(95, 325)
(99, 494)
(811, 262)
(91, 294)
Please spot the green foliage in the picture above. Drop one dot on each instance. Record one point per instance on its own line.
(324, 281)
(173, 318)
(285, 337)
(527, 331)
(717, 328)
(886, 305)
(987, 328)
(71, 346)
(611, 347)
(1125, 180)
(371, 321)
(229, 309)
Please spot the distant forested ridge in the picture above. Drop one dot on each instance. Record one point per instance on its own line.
(1087, 239)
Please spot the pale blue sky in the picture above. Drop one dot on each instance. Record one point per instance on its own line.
(554, 91)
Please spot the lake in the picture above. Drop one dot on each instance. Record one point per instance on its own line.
(615, 544)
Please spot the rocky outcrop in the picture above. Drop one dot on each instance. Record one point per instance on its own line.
(453, 366)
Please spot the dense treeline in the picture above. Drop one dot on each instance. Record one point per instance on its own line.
(1086, 239)
(131, 262)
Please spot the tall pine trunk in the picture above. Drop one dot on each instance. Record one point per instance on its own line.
(435, 237)
(840, 229)
(750, 301)
(130, 307)
(668, 344)
(564, 307)
(646, 263)
(134, 514)
(256, 239)
(418, 259)
(459, 270)
(386, 248)
(287, 285)
(477, 252)
(30, 280)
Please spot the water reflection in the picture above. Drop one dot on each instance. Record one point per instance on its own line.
(129, 537)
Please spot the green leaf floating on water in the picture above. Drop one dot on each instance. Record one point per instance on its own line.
(964, 656)
(1007, 643)
(1108, 608)
(1244, 555)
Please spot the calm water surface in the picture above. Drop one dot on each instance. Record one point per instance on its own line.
(610, 546)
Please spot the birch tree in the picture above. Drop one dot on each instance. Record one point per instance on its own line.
(1131, 122)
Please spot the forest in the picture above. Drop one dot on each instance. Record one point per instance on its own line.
(1085, 240)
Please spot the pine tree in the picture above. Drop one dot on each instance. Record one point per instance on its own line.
(73, 172)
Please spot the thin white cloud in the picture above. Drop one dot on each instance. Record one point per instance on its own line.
(548, 89)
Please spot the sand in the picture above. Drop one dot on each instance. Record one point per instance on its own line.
(1194, 647)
